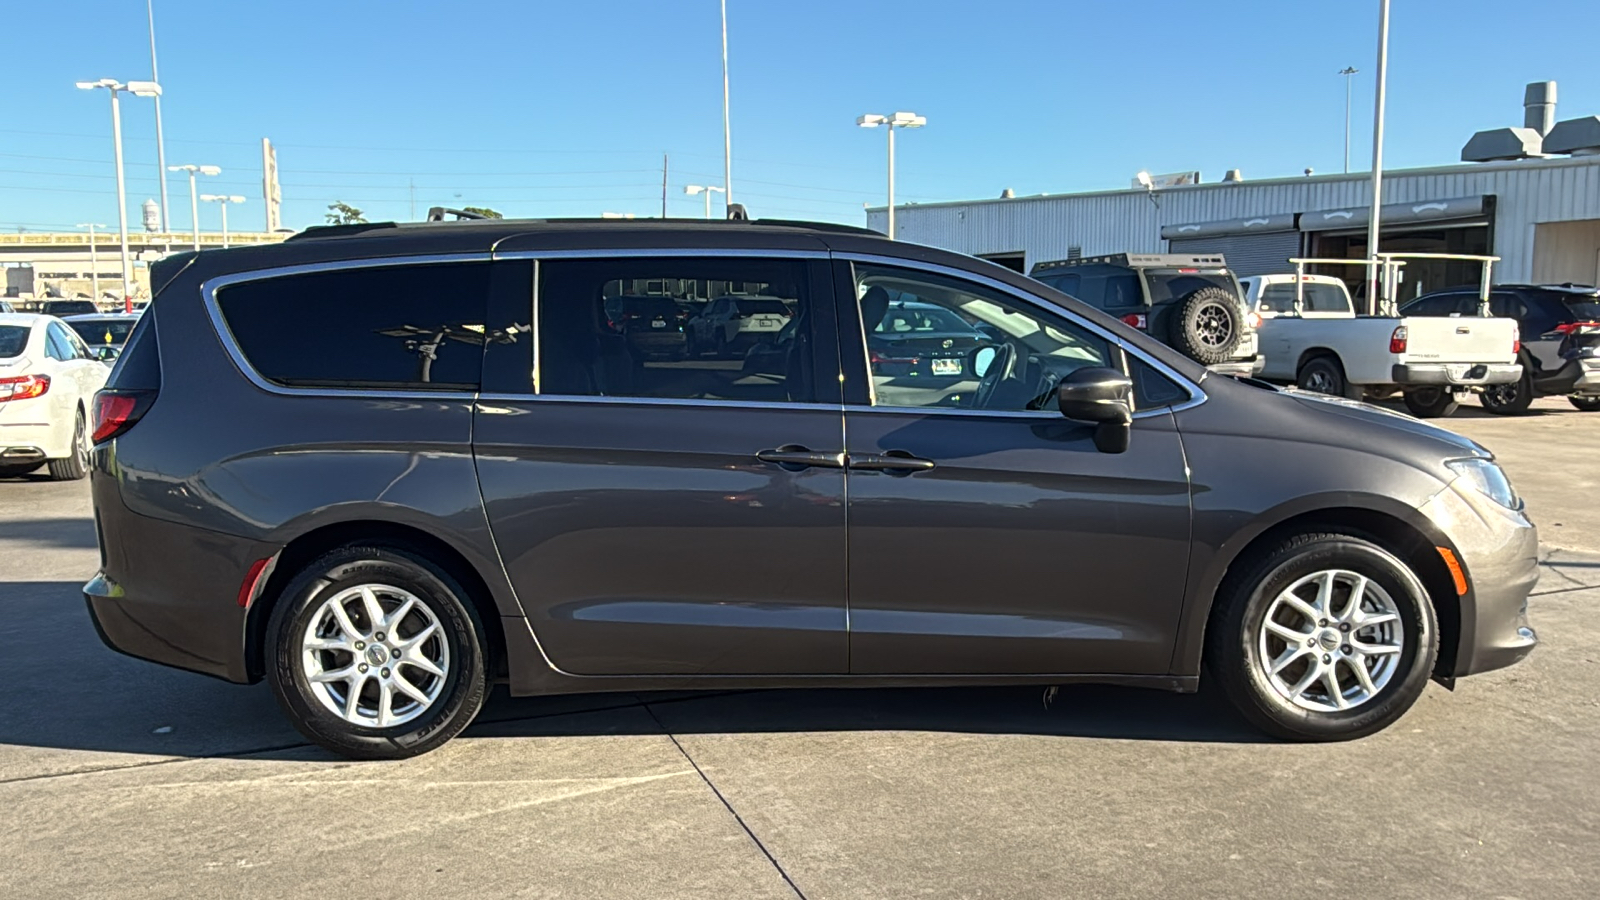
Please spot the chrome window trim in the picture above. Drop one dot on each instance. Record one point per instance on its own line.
(661, 252)
(1196, 395)
(655, 401)
(230, 344)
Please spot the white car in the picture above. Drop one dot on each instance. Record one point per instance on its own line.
(48, 378)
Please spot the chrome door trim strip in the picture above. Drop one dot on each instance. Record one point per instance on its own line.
(230, 344)
(655, 401)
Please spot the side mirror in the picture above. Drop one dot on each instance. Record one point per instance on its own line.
(1102, 396)
(107, 354)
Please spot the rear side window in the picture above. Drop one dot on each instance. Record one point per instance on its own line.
(13, 340)
(139, 366)
(406, 327)
(1317, 298)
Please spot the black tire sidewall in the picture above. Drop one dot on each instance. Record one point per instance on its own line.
(1260, 701)
(1336, 371)
(71, 467)
(1443, 405)
(1585, 404)
(1518, 405)
(458, 703)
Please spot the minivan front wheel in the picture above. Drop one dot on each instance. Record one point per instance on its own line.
(1325, 637)
(377, 654)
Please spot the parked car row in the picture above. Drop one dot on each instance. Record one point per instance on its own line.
(48, 380)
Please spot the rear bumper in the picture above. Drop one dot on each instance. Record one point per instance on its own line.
(1463, 374)
(1244, 368)
(167, 633)
(1589, 382)
(24, 441)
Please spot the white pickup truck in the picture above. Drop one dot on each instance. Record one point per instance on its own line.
(1324, 346)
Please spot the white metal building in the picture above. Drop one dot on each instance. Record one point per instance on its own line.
(1542, 216)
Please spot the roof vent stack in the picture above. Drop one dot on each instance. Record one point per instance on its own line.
(1539, 107)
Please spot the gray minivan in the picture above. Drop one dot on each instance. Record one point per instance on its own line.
(385, 466)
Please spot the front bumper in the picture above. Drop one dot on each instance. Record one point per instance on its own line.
(1498, 550)
(1244, 368)
(1463, 374)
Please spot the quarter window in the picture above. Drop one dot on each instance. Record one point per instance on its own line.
(682, 329)
(938, 342)
(406, 327)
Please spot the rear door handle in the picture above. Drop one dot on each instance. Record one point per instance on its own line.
(895, 462)
(794, 457)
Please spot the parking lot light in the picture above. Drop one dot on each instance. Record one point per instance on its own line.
(223, 200)
(707, 190)
(897, 120)
(194, 199)
(114, 87)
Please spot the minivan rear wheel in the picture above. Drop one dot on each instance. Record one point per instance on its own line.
(1324, 637)
(377, 653)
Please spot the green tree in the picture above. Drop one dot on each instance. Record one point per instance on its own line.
(484, 211)
(342, 213)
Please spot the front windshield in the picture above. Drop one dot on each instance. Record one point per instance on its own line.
(1173, 284)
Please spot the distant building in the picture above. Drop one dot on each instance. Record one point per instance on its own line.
(58, 263)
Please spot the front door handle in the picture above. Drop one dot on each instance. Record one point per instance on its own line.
(794, 457)
(895, 462)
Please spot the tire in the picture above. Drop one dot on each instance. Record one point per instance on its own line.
(1207, 326)
(1431, 402)
(1509, 399)
(1324, 375)
(455, 647)
(1236, 643)
(76, 465)
(1586, 404)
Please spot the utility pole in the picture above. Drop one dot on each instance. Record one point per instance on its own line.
(1347, 71)
(411, 184)
(161, 144)
(94, 260)
(727, 133)
(1373, 225)
(664, 184)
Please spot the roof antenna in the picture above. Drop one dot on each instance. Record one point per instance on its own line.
(736, 213)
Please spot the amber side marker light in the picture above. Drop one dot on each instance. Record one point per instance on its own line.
(1454, 565)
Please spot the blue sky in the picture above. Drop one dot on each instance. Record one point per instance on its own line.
(544, 108)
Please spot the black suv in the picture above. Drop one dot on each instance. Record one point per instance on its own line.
(385, 466)
(1192, 303)
(1560, 352)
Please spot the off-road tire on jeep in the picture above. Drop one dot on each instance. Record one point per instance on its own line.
(1509, 399)
(1207, 326)
(1431, 402)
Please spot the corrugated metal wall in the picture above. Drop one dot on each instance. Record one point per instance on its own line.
(1528, 192)
(1248, 254)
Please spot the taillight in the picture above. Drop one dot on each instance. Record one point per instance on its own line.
(1254, 319)
(1576, 327)
(875, 356)
(1136, 320)
(1397, 341)
(1516, 339)
(23, 387)
(117, 411)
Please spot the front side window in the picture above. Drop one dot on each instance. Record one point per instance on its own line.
(399, 327)
(933, 341)
(606, 329)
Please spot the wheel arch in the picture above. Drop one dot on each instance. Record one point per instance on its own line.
(1401, 530)
(308, 546)
(1311, 353)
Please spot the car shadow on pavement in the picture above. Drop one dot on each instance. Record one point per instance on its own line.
(70, 532)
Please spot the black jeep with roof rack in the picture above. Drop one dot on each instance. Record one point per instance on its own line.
(1192, 303)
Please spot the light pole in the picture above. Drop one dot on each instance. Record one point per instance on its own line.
(727, 132)
(1347, 71)
(223, 200)
(161, 144)
(194, 199)
(707, 189)
(1373, 230)
(94, 259)
(898, 120)
(138, 89)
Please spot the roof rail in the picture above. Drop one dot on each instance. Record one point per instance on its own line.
(322, 231)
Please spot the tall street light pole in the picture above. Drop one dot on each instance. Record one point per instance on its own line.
(161, 145)
(727, 132)
(898, 120)
(141, 89)
(194, 199)
(94, 259)
(1373, 229)
(1347, 72)
(708, 190)
(223, 200)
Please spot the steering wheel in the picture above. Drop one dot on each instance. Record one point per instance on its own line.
(1003, 366)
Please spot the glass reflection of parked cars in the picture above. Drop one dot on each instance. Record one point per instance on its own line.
(729, 326)
(104, 333)
(925, 342)
(654, 326)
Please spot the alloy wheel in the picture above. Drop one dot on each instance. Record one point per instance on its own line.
(1331, 641)
(375, 655)
(1214, 325)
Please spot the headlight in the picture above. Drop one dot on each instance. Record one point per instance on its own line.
(1488, 479)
